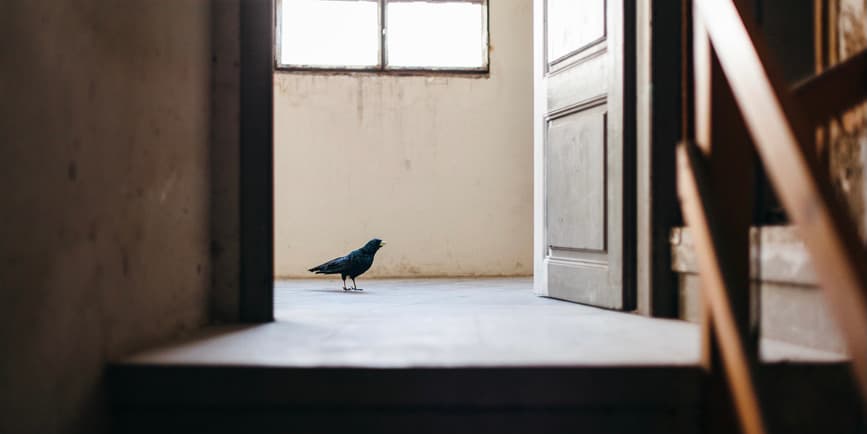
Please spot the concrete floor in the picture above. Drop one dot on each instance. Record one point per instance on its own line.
(445, 323)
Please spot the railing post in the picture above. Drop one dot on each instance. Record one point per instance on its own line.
(782, 134)
(723, 142)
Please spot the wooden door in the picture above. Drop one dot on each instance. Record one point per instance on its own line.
(584, 152)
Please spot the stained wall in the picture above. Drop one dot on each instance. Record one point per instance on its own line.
(104, 160)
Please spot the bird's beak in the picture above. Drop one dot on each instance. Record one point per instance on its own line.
(381, 243)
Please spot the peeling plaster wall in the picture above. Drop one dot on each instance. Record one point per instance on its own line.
(439, 166)
(104, 138)
(849, 132)
(792, 309)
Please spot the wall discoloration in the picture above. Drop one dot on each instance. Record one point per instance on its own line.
(849, 132)
(104, 142)
(793, 309)
(793, 314)
(440, 166)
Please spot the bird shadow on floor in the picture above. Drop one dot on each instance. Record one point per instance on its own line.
(336, 291)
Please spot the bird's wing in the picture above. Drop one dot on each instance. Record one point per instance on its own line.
(336, 265)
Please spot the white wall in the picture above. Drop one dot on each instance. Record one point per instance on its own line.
(438, 166)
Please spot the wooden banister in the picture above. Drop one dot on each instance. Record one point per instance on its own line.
(780, 131)
(713, 261)
(835, 90)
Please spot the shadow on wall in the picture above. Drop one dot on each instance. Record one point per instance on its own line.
(106, 133)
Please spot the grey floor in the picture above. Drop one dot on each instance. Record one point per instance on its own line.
(445, 323)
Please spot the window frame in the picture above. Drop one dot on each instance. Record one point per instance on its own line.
(382, 67)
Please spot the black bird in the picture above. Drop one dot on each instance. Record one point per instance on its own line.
(353, 265)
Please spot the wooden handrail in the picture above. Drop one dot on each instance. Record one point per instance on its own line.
(835, 90)
(729, 350)
(700, 211)
(779, 130)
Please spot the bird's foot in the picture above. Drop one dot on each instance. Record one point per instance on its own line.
(358, 289)
(347, 289)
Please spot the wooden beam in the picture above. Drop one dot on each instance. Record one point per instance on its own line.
(716, 405)
(780, 130)
(713, 261)
(701, 61)
(820, 58)
(835, 90)
(819, 12)
(729, 349)
(730, 152)
(832, 32)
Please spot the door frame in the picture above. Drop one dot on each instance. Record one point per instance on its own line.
(658, 67)
(540, 275)
(256, 231)
(662, 59)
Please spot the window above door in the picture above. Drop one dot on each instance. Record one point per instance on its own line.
(382, 35)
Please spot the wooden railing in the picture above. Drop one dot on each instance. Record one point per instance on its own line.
(741, 104)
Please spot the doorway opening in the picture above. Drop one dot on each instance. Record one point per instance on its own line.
(396, 130)
(451, 163)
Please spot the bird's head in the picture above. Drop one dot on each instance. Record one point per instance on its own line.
(373, 245)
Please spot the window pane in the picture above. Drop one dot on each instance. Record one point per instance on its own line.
(336, 33)
(438, 34)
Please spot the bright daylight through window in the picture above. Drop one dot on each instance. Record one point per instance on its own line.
(383, 34)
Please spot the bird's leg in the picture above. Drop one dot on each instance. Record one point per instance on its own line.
(355, 287)
(344, 284)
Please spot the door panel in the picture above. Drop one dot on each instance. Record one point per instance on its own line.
(573, 25)
(576, 180)
(578, 83)
(586, 245)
